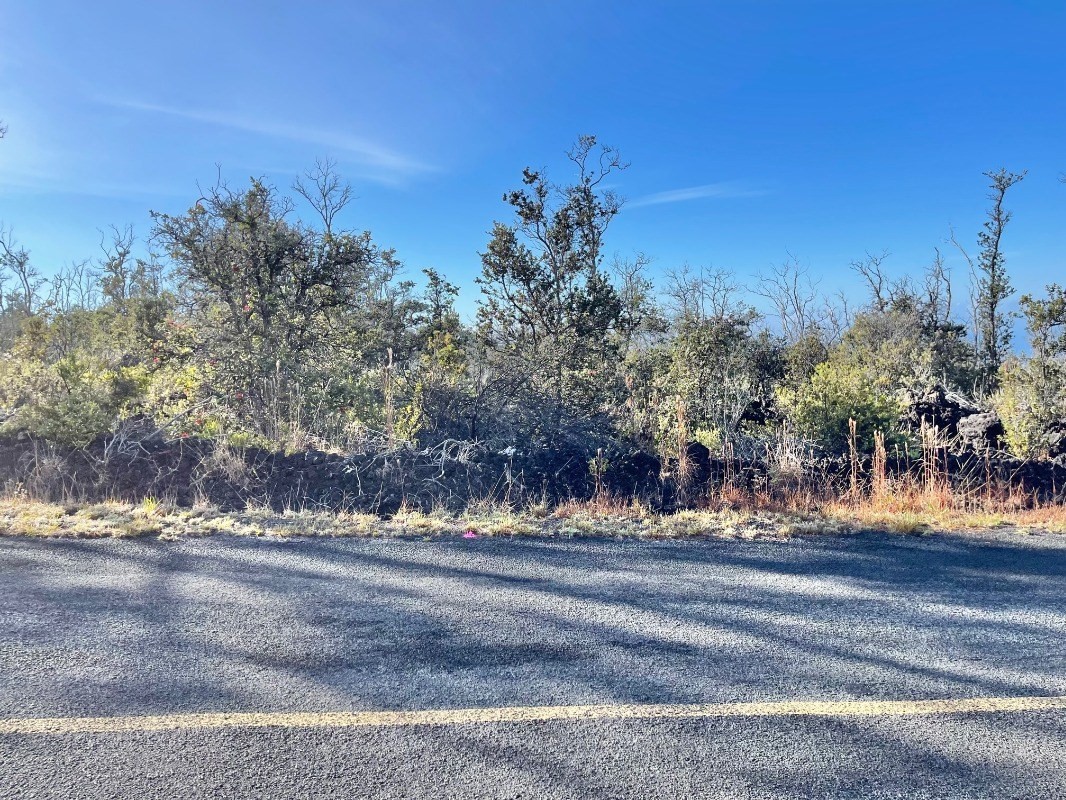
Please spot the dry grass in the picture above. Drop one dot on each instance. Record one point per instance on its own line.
(898, 508)
(24, 517)
(906, 507)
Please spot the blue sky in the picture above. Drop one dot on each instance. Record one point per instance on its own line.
(754, 129)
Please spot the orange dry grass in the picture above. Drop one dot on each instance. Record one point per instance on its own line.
(905, 505)
(912, 506)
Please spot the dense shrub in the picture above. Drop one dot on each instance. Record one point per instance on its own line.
(1031, 400)
(836, 394)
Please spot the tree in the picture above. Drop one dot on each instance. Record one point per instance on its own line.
(803, 322)
(871, 269)
(1045, 321)
(992, 286)
(326, 192)
(71, 367)
(284, 314)
(793, 296)
(905, 336)
(835, 394)
(714, 368)
(439, 301)
(15, 265)
(550, 317)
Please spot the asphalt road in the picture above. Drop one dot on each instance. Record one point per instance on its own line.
(127, 628)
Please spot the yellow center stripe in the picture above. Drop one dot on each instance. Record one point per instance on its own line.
(518, 714)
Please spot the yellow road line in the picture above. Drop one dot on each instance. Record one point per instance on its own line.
(517, 714)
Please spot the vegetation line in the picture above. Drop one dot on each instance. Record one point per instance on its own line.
(258, 350)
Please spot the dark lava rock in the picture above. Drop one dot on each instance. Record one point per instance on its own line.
(981, 431)
(632, 474)
(937, 406)
(1054, 439)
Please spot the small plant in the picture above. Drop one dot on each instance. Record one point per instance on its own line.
(879, 477)
(150, 506)
(137, 528)
(598, 466)
(539, 509)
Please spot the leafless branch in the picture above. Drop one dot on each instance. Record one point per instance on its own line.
(793, 295)
(325, 190)
(872, 271)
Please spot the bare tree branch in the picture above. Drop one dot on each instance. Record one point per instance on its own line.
(15, 259)
(793, 296)
(325, 190)
(872, 271)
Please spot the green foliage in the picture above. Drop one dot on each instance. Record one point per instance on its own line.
(803, 356)
(835, 394)
(906, 338)
(1045, 320)
(552, 322)
(297, 326)
(71, 401)
(710, 438)
(255, 327)
(1022, 407)
(716, 369)
(896, 348)
(993, 283)
(441, 394)
(1032, 392)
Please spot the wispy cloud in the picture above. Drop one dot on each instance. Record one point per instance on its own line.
(31, 183)
(34, 161)
(385, 163)
(723, 190)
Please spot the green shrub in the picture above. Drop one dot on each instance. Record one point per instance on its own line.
(1031, 395)
(71, 401)
(821, 408)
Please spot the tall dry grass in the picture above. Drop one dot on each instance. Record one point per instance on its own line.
(922, 496)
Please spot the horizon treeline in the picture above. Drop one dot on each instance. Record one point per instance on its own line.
(253, 326)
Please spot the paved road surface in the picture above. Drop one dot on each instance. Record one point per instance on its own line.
(124, 630)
